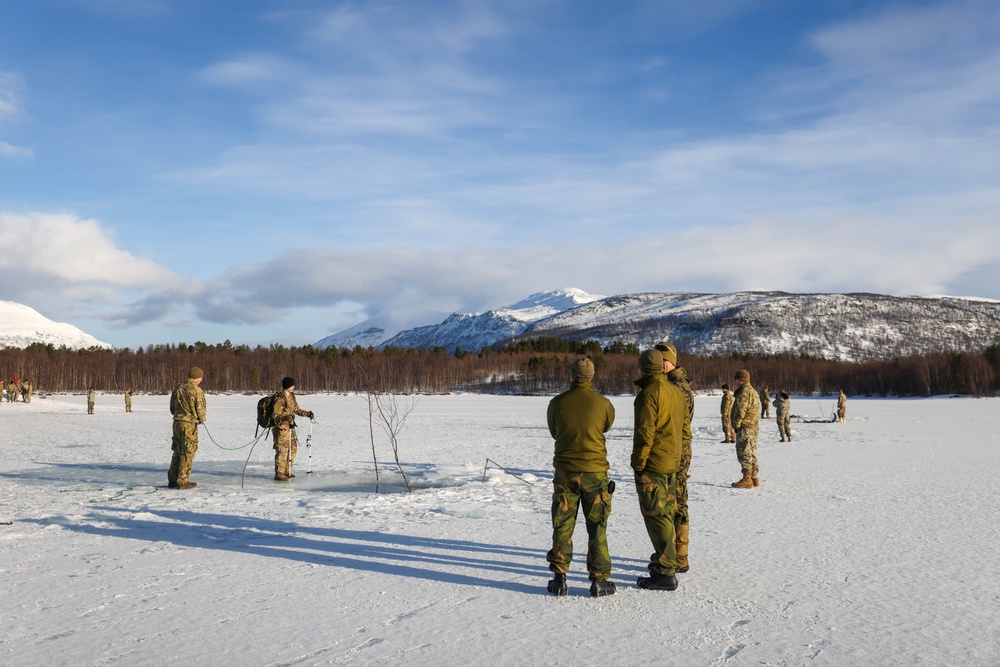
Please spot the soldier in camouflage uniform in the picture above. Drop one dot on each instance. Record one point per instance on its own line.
(12, 392)
(841, 406)
(26, 391)
(91, 399)
(727, 408)
(128, 399)
(578, 419)
(678, 376)
(660, 411)
(286, 443)
(765, 403)
(746, 406)
(187, 405)
(783, 415)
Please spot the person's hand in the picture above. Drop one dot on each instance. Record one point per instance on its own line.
(311, 415)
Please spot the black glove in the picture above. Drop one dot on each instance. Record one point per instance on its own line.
(311, 415)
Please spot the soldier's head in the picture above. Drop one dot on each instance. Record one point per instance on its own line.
(742, 376)
(650, 361)
(288, 384)
(784, 394)
(196, 374)
(725, 387)
(669, 354)
(582, 370)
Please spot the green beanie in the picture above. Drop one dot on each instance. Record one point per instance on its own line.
(650, 361)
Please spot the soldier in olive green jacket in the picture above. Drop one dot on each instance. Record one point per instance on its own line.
(678, 377)
(660, 411)
(578, 419)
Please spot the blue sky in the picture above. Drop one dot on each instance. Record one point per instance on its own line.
(181, 170)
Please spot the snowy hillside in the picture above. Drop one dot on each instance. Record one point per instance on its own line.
(473, 331)
(829, 326)
(21, 326)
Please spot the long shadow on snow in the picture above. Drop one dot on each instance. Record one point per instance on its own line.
(358, 550)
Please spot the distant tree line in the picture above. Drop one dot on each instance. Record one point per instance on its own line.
(537, 366)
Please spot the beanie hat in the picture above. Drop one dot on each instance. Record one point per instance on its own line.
(725, 386)
(742, 375)
(582, 369)
(650, 361)
(668, 351)
(196, 373)
(287, 382)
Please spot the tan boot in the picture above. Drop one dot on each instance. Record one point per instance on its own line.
(755, 480)
(745, 483)
(681, 546)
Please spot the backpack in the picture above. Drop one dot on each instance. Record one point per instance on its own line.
(265, 413)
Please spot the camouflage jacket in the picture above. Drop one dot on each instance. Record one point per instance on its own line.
(679, 378)
(187, 403)
(782, 406)
(841, 401)
(746, 408)
(660, 410)
(578, 420)
(765, 398)
(285, 408)
(727, 404)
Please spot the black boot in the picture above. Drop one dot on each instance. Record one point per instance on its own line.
(558, 585)
(658, 582)
(601, 587)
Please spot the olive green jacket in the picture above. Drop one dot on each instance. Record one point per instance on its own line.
(660, 410)
(578, 420)
(678, 377)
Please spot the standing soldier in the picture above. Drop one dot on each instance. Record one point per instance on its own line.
(286, 443)
(727, 408)
(841, 406)
(660, 409)
(91, 398)
(678, 376)
(578, 419)
(12, 391)
(746, 405)
(27, 391)
(765, 403)
(187, 405)
(783, 407)
(128, 399)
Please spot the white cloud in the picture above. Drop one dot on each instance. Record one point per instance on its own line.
(53, 260)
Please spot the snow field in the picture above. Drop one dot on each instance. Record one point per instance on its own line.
(869, 542)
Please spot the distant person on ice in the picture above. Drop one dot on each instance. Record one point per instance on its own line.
(128, 399)
(578, 419)
(187, 405)
(660, 409)
(783, 415)
(746, 406)
(91, 399)
(765, 403)
(286, 443)
(12, 392)
(727, 408)
(678, 377)
(841, 406)
(26, 390)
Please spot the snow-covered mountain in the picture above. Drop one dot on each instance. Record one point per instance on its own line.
(830, 326)
(21, 326)
(473, 331)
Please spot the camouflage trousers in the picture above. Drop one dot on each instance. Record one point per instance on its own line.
(746, 450)
(128, 405)
(727, 428)
(784, 427)
(185, 445)
(286, 447)
(681, 515)
(658, 503)
(570, 491)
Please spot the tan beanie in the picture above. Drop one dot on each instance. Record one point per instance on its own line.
(196, 373)
(650, 361)
(582, 370)
(668, 351)
(742, 375)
